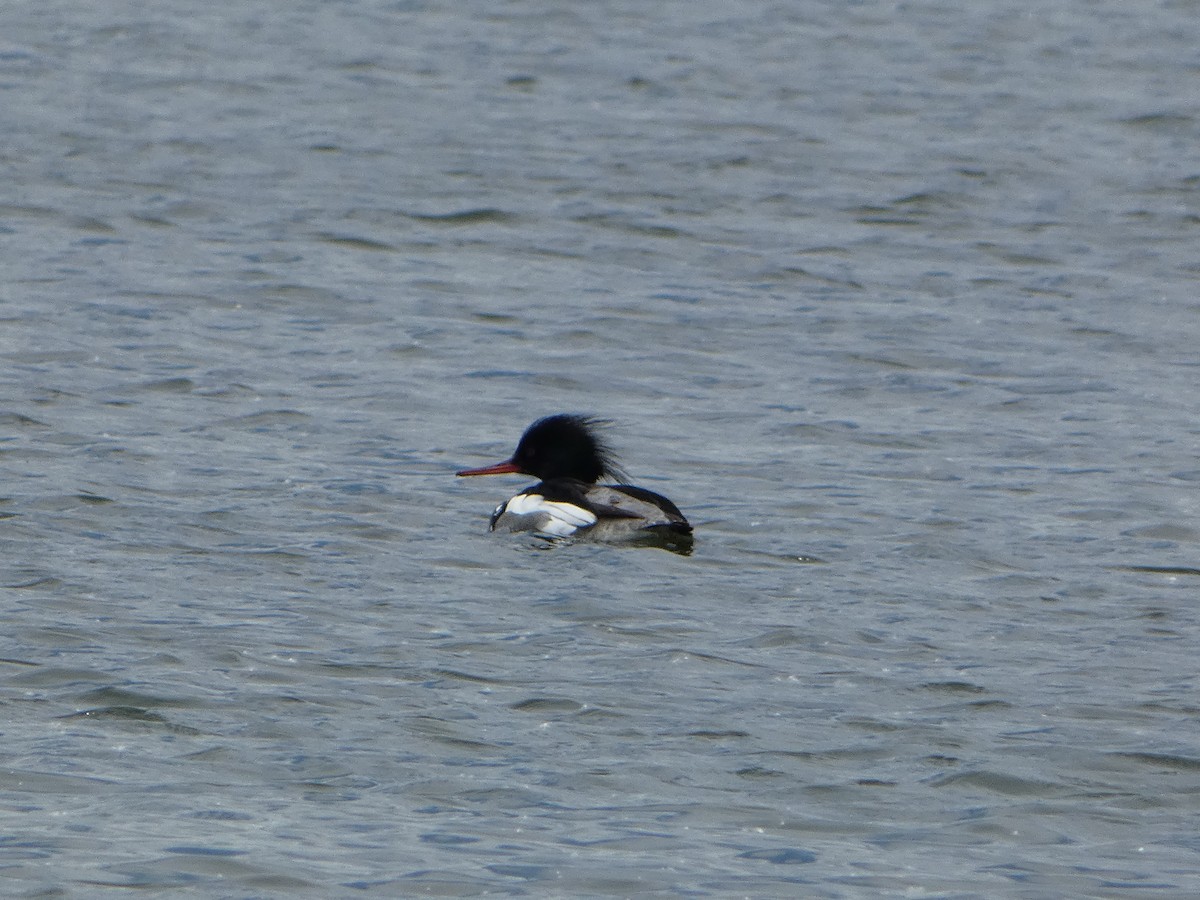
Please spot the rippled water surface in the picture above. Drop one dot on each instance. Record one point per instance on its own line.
(897, 301)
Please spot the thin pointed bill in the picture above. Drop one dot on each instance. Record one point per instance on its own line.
(504, 468)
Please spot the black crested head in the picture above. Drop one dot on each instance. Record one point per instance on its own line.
(566, 446)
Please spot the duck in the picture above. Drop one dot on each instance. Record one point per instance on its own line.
(569, 456)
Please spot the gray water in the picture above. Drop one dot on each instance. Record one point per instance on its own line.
(899, 302)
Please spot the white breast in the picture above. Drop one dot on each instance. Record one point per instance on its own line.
(533, 512)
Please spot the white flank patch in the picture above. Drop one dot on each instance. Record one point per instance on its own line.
(550, 516)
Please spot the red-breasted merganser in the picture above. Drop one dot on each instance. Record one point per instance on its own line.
(569, 456)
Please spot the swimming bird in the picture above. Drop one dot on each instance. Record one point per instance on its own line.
(569, 456)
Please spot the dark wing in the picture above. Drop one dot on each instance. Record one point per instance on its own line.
(616, 501)
(655, 509)
(586, 496)
(652, 498)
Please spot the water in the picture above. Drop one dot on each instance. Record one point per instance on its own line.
(896, 301)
